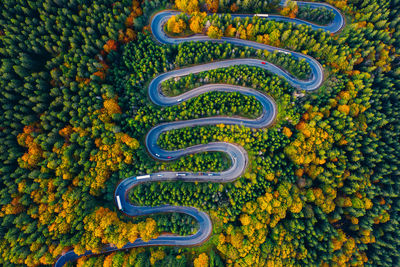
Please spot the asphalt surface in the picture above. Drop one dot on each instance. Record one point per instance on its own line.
(237, 154)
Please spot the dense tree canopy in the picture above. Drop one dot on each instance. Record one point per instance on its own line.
(322, 185)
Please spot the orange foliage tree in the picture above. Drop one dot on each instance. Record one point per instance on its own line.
(35, 153)
(234, 8)
(212, 5)
(290, 10)
(230, 31)
(196, 22)
(110, 45)
(201, 260)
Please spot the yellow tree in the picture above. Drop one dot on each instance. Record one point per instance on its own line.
(196, 22)
(171, 24)
(148, 229)
(176, 25)
(188, 6)
(214, 33)
(180, 26)
(112, 107)
(156, 255)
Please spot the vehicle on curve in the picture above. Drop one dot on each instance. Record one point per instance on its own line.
(142, 177)
(119, 203)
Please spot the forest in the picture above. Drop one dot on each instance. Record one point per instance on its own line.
(322, 184)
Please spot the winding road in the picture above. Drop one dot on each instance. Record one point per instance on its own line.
(236, 153)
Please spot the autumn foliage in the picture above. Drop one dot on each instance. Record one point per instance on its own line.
(214, 33)
(188, 6)
(105, 226)
(176, 25)
(321, 186)
(35, 152)
(201, 261)
(196, 22)
(290, 10)
(212, 5)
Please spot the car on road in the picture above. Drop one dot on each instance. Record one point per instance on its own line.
(263, 63)
(157, 155)
(169, 157)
